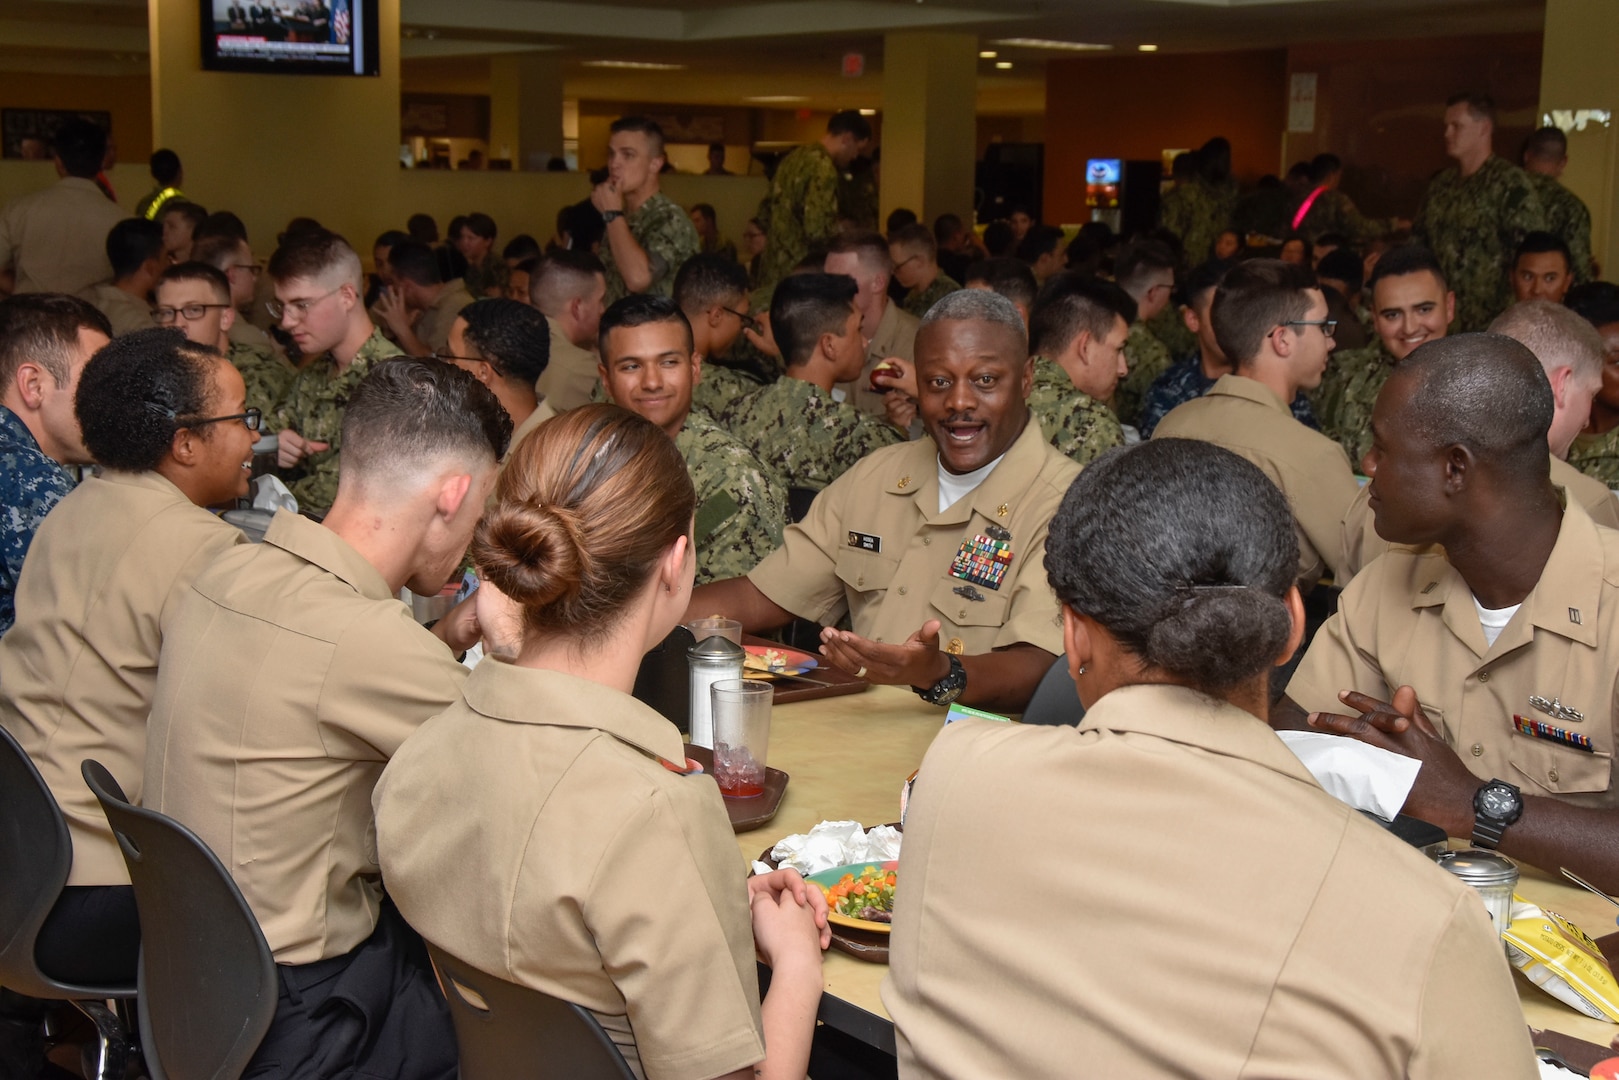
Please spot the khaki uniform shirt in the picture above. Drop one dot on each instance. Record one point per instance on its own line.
(56, 239)
(542, 412)
(1246, 418)
(1283, 936)
(575, 863)
(126, 313)
(895, 336)
(98, 594)
(1409, 619)
(433, 327)
(570, 375)
(876, 545)
(293, 673)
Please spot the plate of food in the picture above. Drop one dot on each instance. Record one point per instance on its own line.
(860, 895)
(776, 660)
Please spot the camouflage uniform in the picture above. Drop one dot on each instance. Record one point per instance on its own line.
(313, 407)
(809, 438)
(741, 509)
(668, 237)
(917, 302)
(858, 199)
(1335, 212)
(492, 274)
(1343, 365)
(1597, 456)
(1568, 218)
(1170, 328)
(802, 210)
(1350, 419)
(1198, 212)
(266, 375)
(720, 388)
(1473, 226)
(30, 484)
(1148, 359)
(1074, 422)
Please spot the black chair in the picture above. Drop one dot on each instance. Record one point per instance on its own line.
(1056, 699)
(207, 981)
(798, 502)
(510, 1032)
(36, 854)
(664, 680)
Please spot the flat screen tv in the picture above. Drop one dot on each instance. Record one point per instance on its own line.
(290, 37)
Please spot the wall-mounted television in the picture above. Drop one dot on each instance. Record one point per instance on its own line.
(290, 37)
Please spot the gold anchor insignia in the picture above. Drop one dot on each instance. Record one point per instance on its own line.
(956, 646)
(1002, 510)
(904, 482)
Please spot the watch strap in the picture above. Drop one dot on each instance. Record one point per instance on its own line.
(949, 688)
(610, 216)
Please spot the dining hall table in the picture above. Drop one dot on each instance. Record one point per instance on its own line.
(847, 759)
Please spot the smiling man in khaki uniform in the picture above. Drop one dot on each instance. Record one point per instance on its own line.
(292, 675)
(890, 330)
(934, 548)
(1491, 657)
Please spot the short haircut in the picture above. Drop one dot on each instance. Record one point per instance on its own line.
(416, 263)
(1543, 243)
(898, 219)
(481, 225)
(1597, 302)
(1406, 259)
(946, 227)
(1323, 166)
(322, 256)
(1482, 106)
(43, 328)
(131, 243)
(1204, 278)
(1069, 305)
(422, 227)
(1557, 336)
(220, 223)
(1010, 277)
(300, 227)
(641, 309)
(999, 239)
(389, 239)
(138, 391)
(706, 280)
(849, 122)
(805, 306)
(219, 252)
(1193, 580)
(1140, 260)
(81, 146)
(1330, 240)
(1254, 298)
(917, 238)
(408, 414)
(976, 305)
(522, 246)
(1342, 265)
(705, 210)
(165, 166)
(514, 338)
(1485, 392)
(713, 146)
(194, 214)
(1547, 144)
(643, 125)
(198, 271)
(562, 276)
(1039, 240)
(870, 247)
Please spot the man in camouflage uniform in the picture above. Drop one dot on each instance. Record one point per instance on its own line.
(194, 297)
(45, 341)
(1545, 155)
(1328, 210)
(1596, 452)
(1197, 210)
(648, 235)
(649, 367)
(320, 299)
(916, 266)
(1077, 335)
(1474, 215)
(801, 210)
(795, 424)
(487, 273)
(712, 292)
(1146, 271)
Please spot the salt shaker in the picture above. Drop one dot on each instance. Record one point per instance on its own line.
(712, 659)
(1494, 876)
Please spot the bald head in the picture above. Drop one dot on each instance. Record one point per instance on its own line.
(1486, 393)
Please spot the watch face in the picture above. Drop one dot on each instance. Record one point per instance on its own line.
(1497, 802)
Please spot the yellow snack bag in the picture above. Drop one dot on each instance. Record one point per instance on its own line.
(1562, 960)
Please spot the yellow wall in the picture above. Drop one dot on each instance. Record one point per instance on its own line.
(127, 97)
(1578, 73)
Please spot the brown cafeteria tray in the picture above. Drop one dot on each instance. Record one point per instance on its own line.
(790, 689)
(754, 811)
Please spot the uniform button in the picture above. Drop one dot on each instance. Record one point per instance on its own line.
(903, 589)
(962, 614)
(926, 540)
(1552, 775)
(861, 580)
(1478, 749)
(1484, 676)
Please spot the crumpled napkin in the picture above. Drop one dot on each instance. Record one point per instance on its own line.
(269, 493)
(834, 843)
(1366, 777)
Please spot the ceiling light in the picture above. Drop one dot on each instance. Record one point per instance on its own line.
(868, 112)
(776, 99)
(1047, 43)
(987, 54)
(1003, 65)
(1147, 48)
(634, 65)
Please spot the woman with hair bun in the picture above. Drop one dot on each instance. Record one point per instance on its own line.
(1164, 890)
(546, 830)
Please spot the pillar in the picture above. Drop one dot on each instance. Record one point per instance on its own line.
(525, 109)
(930, 123)
(1578, 76)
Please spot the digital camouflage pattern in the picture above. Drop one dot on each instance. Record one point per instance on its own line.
(1074, 422)
(1473, 226)
(1169, 327)
(668, 237)
(802, 432)
(1148, 358)
(1198, 212)
(313, 407)
(1335, 212)
(492, 274)
(266, 375)
(1597, 456)
(30, 484)
(1350, 420)
(800, 212)
(1343, 365)
(1566, 217)
(858, 201)
(918, 301)
(741, 508)
(721, 387)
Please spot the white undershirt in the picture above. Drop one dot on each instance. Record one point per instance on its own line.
(954, 487)
(1494, 620)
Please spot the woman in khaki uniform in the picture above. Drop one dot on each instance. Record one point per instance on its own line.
(545, 828)
(1165, 890)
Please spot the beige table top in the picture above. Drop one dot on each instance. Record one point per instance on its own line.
(849, 756)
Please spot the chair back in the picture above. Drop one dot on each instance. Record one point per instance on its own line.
(36, 854)
(798, 502)
(1056, 699)
(208, 983)
(510, 1032)
(664, 681)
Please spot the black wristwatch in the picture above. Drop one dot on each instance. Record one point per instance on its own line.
(610, 216)
(1496, 806)
(947, 689)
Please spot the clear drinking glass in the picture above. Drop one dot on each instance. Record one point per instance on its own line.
(741, 735)
(729, 629)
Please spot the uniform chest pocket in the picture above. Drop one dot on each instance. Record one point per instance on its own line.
(865, 571)
(1559, 769)
(965, 604)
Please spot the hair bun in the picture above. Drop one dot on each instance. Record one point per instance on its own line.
(1219, 639)
(533, 553)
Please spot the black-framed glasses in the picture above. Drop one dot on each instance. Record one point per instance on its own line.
(252, 419)
(188, 312)
(1328, 326)
(278, 308)
(252, 268)
(748, 321)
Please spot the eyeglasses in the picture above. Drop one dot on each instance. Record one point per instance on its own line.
(279, 309)
(188, 312)
(252, 419)
(252, 268)
(1328, 326)
(903, 263)
(748, 321)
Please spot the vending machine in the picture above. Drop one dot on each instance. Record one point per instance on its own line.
(1124, 194)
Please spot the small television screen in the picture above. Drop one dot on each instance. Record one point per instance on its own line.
(1102, 182)
(290, 37)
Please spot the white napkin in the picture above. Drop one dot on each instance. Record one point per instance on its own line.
(834, 843)
(269, 493)
(1548, 1071)
(1366, 777)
